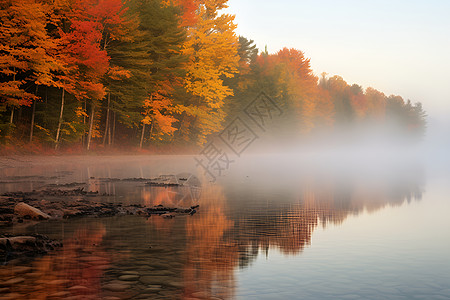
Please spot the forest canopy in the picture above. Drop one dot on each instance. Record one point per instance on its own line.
(145, 73)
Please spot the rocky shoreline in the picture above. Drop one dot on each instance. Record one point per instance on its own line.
(13, 247)
(47, 205)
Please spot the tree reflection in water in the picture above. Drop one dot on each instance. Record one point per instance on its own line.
(211, 255)
(75, 270)
(286, 221)
(198, 256)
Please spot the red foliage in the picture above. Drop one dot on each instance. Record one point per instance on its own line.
(82, 43)
(188, 8)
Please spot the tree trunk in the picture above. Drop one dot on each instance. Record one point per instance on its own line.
(83, 138)
(114, 129)
(151, 130)
(19, 116)
(109, 135)
(12, 107)
(91, 125)
(107, 120)
(32, 117)
(12, 115)
(60, 121)
(142, 136)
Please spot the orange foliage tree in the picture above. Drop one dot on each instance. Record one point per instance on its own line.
(158, 113)
(28, 55)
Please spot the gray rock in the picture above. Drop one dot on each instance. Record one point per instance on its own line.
(60, 295)
(176, 284)
(22, 209)
(154, 279)
(154, 290)
(201, 295)
(145, 296)
(17, 241)
(58, 282)
(81, 297)
(20, 269)
(161, 273)
(120, 282)
(12, 281)
(77, 288)
(130, 273)
(93, 259)
(130, 277)
(154, 286)
(116, 287)
(12, 296)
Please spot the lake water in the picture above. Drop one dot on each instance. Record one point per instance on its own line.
(272, 227)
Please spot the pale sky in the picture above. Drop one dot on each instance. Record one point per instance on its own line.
(396, 46)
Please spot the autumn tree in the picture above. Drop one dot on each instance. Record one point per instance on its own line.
(418, 120)
(324, 111)
(28, 55)
(188, 9)
(405, 117)
(93, 26)
(165, 39)
(153, 56)
(212, 47)
(244, 81)
(127, 94)
(286, 76)
(301, 85)
(162, 71)
(341, 96)
(376, 102)
(358, 102)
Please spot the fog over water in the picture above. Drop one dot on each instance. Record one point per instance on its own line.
(326, 168)
(364, 213)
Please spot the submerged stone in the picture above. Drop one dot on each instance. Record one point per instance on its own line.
(116, 287)
(12, 281)
(131, 277)
(130, 273)
(61, 294)
(154, 279)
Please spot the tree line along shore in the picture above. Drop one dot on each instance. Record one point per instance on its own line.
(149, 74)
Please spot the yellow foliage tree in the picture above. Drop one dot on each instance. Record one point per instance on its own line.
(212, 48)
(377, 103)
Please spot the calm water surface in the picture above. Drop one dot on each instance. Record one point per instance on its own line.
(271, 228)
